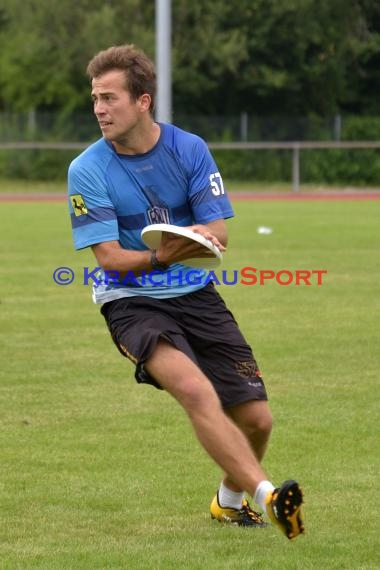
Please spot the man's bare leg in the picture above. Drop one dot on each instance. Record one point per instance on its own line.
(255, 420)
(222, 439)
(217, 433)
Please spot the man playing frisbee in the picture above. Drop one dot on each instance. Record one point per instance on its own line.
(179, 334)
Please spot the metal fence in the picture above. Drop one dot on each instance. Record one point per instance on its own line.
(243, 127)
(295, 146)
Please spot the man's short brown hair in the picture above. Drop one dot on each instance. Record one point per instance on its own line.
(139, 70)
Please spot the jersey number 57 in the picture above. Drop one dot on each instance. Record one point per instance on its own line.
(216, 182)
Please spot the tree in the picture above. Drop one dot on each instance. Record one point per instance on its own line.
(363, 68)
(45, 46)
(266, 57)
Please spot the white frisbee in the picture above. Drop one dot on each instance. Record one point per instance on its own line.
(151, 236)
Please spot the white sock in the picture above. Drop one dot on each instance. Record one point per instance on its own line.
(261, 493)
(228, 498)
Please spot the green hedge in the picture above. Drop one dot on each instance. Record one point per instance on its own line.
(35, 164)
(329, 166)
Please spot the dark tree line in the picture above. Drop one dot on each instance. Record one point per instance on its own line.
(265, 57)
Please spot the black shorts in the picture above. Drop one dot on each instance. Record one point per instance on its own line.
(200, 325)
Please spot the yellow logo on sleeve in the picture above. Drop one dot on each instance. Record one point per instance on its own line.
(78, 204)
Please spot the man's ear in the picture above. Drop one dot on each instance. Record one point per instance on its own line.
(145, 102)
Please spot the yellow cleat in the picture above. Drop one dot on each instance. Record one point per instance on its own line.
(283, 507)
(241, 517)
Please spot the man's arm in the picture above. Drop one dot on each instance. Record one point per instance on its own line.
(112, 257)
(214, 231)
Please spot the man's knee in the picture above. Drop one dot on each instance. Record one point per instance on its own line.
(196, 394)
(181, 377)
(254, 418)
(263, 423)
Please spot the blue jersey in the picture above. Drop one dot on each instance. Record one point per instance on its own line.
(114, 196)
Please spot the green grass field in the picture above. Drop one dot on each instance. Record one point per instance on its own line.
(99, 473)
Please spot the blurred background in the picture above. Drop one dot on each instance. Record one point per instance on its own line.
(243, 71)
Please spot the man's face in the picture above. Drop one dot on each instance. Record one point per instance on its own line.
(117, 114)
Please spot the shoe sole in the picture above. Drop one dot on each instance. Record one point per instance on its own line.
(286, 507)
